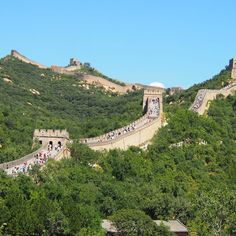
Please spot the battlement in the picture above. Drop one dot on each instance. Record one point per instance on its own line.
(51, 133)
(153, 91)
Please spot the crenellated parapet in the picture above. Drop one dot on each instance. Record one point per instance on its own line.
(51, 133)
(51, 136)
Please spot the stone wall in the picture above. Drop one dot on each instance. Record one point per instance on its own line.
(65, 70)
(24, 159)
(63, 153)
(137, 137)
(145, 127)
(108, 85)
(17, 55)
(209, 95)
(61, 70)
(44, 136)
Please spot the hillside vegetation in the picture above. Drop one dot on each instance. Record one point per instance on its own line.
(34, 98)
(194, 182)
(186, 98)
(187, 173)
(92, 71)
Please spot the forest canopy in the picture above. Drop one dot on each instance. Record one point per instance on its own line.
(187, 173)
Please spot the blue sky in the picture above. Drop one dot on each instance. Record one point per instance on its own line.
(174, 42)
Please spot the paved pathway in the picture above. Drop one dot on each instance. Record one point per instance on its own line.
(203, 96)
(39, 158)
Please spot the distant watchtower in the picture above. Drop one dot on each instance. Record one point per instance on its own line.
(152, 101)
(74, 62)
(232, 66)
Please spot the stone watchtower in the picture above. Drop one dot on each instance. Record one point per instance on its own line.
(152, 100)
(51, 136)
(232, 66)
(74, 62)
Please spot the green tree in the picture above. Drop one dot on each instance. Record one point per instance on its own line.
(136, 223)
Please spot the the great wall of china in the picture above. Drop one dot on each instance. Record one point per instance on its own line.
(19, 56)
(73, 66)
(72, 69)
(138, 132)
(204, 96)
(109, 85)
(44, 137)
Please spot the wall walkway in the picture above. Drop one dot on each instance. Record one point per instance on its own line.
(29, 159)
(19, 56)
(138, 133)
(143, 133)
(201, 102)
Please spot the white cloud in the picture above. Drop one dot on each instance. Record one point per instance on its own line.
(157, 84)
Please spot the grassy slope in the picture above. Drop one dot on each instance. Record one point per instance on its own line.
(92, 71)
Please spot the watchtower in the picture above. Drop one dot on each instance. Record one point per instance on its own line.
(74, 62)
(51, 136)
(232, 66)
(153, 101)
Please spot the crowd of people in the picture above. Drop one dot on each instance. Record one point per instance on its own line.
(114, 134)
(39, 158)
(199, 99)
(229, 86)
(153, 112)
(201, 94)
(154, 108)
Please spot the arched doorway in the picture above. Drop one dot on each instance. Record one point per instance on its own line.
(59, 144)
